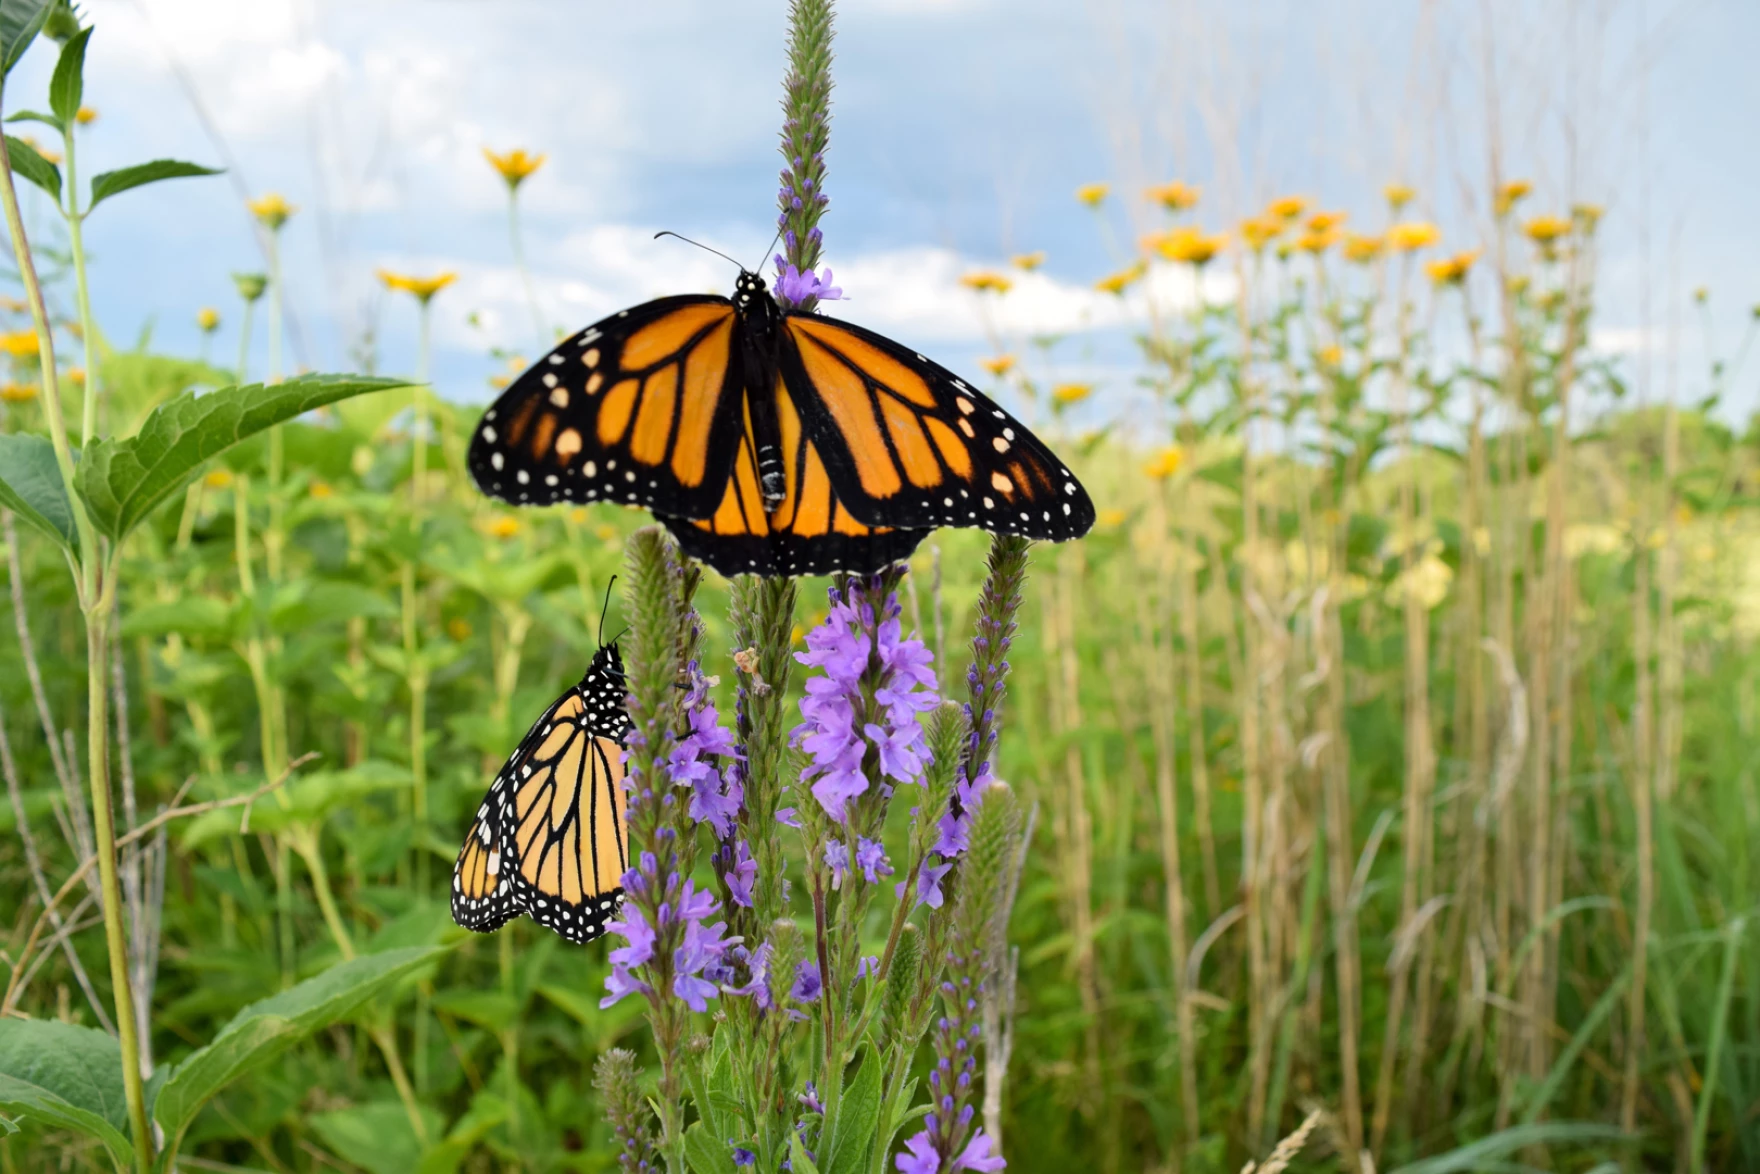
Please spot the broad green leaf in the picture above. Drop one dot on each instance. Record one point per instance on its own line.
(20, 22)
(113, 183)
(67, 84)
(309, 800)
(487, 1009)
(123, 481)
(67, 1077)
(858, 1119)
(262, 1031)
(26, 162)
(31, 486)
(193, 615)
(1487, 1151)
(377, 1137)
(707, 1154)
(486, 1112)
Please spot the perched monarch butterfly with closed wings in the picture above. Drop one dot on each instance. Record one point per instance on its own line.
(549, 840)
(770, 441)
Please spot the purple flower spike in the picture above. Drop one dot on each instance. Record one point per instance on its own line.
(861, 652)
(794, 287)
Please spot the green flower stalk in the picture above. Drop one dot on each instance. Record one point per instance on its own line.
(806, 130)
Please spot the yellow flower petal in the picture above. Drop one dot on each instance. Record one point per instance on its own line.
(514, 166)
(1412, 235)
(1093, 194)
(271, 210)
(423, 288)
(1027, 262)
(987, 281)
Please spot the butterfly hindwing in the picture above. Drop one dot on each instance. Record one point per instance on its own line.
(809, 532)
(909, 444)
(641, 408)
(555, 818)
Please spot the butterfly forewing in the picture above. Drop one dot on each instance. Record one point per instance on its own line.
(555, 818)
(908, 443)
(642, 408)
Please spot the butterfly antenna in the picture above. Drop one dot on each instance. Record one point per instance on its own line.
(687, 240)
(767, 249)
(604, 610)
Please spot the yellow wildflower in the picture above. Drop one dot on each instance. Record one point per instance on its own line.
(1287, 207)
(1411, 235)
(1398, 195)
(1260, 231)
(1093, 194)
(797, 635)
(18, 393)
(14, 305)
(1165, 463)
(321, 491)
(502, 527)
(208, 318)
(271, 211)
(250, 285)
(515, 166)
(1544, 230)
(1117, 283)
(1451, 270)
(1509, 195)
(20, 344)
(500, 381)
(1362, 249)
(86, 115)
(987, 281)
(998, 364)
(1326, 221)
(1189, 245)
(218, 479)
(1587, 215)
(1316, 242)
(76, 375)
(458, 628)
(578, 515)
(46, 153)
(1175, 196)
(1027, 262)
(1700, 295)
(1330, 356)
(423, 288)
(1518, 285)
(608, 533)
(1071, 393)
(1111, 519)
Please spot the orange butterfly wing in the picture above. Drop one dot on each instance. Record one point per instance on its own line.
(810, 532)
(906, 443)
(641, 408)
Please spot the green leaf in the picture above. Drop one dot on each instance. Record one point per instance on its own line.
(707, 1154)
(377, 1137)
(123, 481)
(112, 183)
(857, 1120)
(1487, 1150)
(487, 1009)
(31, 486)
(67, 84)
(263, 1030)
(67, 1077)
(26, 162)
(34, 116)
(193, 615)
(20, 22)
(799, 1162)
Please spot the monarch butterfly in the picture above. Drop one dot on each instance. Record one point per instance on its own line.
(549, 840)
(770, 440)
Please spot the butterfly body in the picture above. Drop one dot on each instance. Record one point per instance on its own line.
(549, 840)
(770, 440)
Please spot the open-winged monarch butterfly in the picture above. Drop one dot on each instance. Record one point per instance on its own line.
(549, 840)
(770, 440)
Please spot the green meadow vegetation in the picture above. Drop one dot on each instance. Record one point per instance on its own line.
(1386, 749)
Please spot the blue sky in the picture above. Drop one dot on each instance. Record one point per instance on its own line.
(960, 129)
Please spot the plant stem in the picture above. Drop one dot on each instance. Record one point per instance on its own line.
(75, 222)
(525, 277)
(95, 596)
